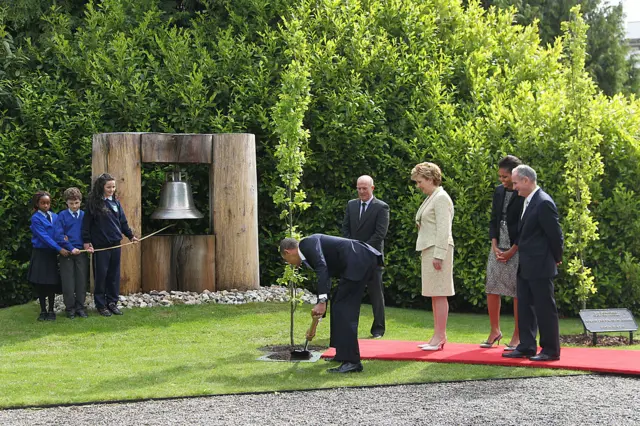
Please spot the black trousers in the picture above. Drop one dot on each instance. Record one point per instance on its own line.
(376, 295)
(345, 316)
(106, 277)
(537, 310)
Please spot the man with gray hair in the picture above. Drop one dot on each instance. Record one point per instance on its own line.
(540, 243)
(366, 218)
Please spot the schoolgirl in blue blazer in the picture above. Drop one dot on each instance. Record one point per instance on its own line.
(43, 267)
(103, 225)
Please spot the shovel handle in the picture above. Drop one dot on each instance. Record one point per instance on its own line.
(311, 332)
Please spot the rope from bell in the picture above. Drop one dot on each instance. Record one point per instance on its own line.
(131, 242)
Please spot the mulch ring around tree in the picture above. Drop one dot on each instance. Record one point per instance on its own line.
(283, 352)
(587, 340)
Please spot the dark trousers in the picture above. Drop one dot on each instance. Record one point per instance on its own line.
(376, 295)
(74, 272)
(345, 315)
(537, 310)
(106, 277)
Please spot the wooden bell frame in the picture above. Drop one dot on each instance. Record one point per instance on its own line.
(227, 259)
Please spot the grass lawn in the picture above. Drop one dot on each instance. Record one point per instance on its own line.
(207, 349)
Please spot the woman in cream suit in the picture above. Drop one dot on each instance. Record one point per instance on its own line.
(434, 219)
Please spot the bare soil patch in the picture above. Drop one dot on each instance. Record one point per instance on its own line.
(283, 352)
(586, 340)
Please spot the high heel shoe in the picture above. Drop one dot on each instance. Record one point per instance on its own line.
(438, 347)
(488, 344)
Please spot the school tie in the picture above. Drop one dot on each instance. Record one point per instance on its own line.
(75, 215)
(49, 218)
(362, 209)
(524, 209)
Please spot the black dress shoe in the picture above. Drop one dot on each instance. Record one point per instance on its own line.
(114, 308)
(51, 316)
(71, 314)
(104, 312)
(42, 316)
(517, 354)
(81, 313)
(347, 367)
(545, 357)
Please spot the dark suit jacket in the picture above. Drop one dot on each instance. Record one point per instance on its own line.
(338, 257)
(371, 228)
(514, 210)
(540, 241)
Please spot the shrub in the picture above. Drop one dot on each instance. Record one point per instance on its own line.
(391, 84)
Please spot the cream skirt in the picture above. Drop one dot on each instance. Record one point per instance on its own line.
(437, 283)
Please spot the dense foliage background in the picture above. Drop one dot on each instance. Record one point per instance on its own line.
(607, 50)
(392, 83)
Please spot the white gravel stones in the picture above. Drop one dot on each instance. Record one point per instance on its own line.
(230, 297)
(544, 401)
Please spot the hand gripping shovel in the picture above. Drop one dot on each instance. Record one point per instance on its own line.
(311, 332)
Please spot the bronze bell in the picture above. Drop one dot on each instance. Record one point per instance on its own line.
(176, 200)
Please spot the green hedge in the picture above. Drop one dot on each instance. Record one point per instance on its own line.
(392, 84)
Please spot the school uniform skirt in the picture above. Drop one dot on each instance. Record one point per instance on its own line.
(43, 270)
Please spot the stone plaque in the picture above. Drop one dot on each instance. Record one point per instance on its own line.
(600, 320)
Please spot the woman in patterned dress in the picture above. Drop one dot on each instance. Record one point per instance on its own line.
(502, 266)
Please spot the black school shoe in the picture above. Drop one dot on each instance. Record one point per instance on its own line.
(71, 314)
(51, 316)
(104, 312)
(81, 313)
(114, 308)
(42, 316)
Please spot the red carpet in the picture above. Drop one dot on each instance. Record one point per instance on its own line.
(589, 359)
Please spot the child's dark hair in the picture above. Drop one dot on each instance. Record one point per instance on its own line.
(72, 193)
(36, 198)
(95, 199)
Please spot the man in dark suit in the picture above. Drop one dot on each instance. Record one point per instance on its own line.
(366, 218)
(355, 263)
(540, 244)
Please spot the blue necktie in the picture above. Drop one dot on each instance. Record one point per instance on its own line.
(75, 215)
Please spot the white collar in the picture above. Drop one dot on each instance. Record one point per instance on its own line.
(301, 255)
(71, 212)
(528, 199)
(46, 215)
(368, 201)
(109, 198)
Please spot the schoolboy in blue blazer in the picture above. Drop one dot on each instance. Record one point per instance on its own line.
(74, 270)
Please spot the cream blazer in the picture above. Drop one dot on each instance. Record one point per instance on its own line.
(434, 219)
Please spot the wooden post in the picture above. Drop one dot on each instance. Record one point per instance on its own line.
(119, 155)
(156, 263)
(178, 262)
(234, 207)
